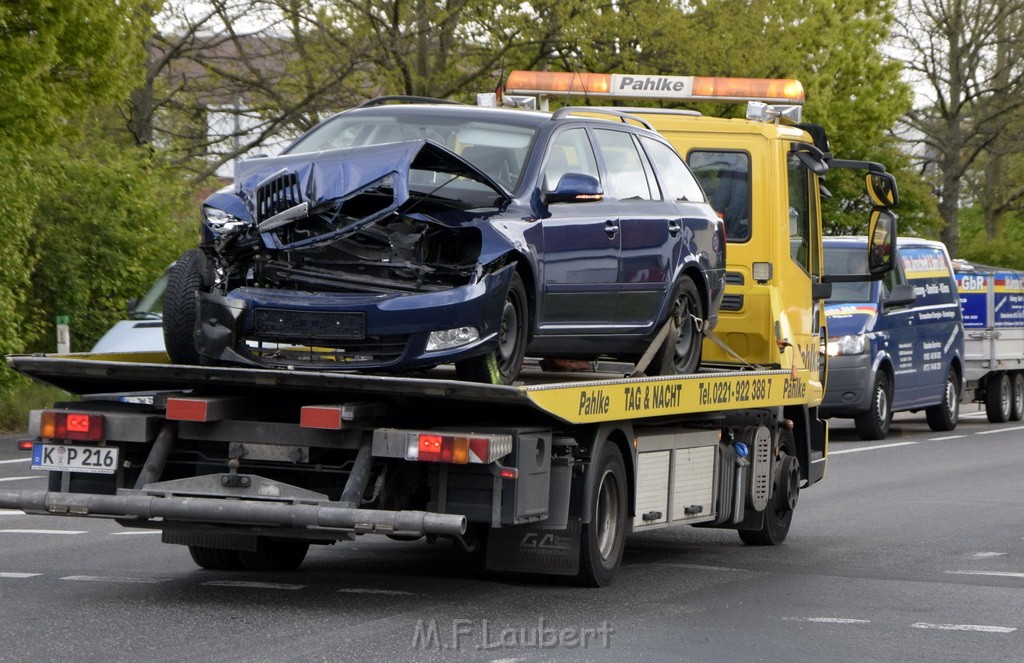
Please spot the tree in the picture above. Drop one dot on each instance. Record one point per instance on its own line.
(964, 58)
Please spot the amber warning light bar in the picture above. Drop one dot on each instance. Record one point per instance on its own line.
(653, 86)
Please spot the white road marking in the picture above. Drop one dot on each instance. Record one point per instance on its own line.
(11, 512)
(11, 574)
(974, 415)
(16, 460)
(123, 579)
(363, 590)
(42, 531)
(999, 574)
(253, 585)
(965, 627)
(877, 446)
(999, 430)
(146, 531)
(947, 437)
(828, 620)
(699, 567)
(37, 476)
(983, 555)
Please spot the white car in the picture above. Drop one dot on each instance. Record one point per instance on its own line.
(143, 331)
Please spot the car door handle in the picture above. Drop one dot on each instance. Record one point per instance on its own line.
(611, 228)
(674, 227)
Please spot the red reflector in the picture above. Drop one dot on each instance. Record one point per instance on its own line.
(318, 416)
(186, 409)
(25, 445)
(509, 473)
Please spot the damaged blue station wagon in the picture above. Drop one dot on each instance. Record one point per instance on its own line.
(394, 237)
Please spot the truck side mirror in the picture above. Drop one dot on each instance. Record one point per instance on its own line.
(882, 189)
(881, 231)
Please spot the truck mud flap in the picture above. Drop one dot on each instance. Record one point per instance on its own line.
(532, 549)
(325, 518)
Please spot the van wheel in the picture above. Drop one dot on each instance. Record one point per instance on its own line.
(179, 322)
(997, 397)
(874, 424)
(1017, 396)
(502, 365)
(604, 537)
(946, 414)
(680, 354)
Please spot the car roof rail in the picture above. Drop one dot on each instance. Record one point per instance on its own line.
(621, 115)
(406, 99)
(669, 111)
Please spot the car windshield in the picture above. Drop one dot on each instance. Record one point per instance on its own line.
(848, 260)
(498, 149)
(151, 306)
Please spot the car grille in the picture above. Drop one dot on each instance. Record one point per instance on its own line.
(277, 194)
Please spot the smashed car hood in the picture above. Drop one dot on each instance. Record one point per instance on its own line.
(324, 178)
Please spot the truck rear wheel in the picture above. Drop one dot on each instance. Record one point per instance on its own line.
(1017, 396)
(179, 316)
(946, 414)
(874, 424)
(778, 515)
(274, 555)
(604, 537)
(997, 397)
(215, 559)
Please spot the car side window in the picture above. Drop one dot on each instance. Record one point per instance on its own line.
(571, 152)
(725, 176)
(627, 179)
(676, 178)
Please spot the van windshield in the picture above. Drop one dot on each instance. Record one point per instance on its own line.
(848, 260)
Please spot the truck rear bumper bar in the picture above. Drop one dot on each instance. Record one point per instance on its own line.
(251, 513)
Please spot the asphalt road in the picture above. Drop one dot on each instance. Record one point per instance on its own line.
(912, 549)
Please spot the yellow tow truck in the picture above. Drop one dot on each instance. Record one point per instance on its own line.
(248, 467)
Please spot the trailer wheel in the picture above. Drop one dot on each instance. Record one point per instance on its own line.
(604, 537)
(946, 414)
(215, 559)
(680, 355)
(778, 515)
(997, 397)
(274, 555)
(874, 424)
(179, 314)
(501, 366)
(1017, 395)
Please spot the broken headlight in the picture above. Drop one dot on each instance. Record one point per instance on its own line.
(220, 222)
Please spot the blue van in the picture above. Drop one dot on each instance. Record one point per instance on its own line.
(895, 344)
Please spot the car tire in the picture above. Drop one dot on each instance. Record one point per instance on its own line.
(998, 400)
(274, 555)
(681, 352)
(502, 365)
(874, 424)
(180, 308)
(946, 415)
(1017, 396)
(604, 537)
(778, 515)
(215, 559)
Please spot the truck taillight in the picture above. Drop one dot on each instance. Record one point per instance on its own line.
(442, 449)
(25, 445)
(457, 448)
(76, 426)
